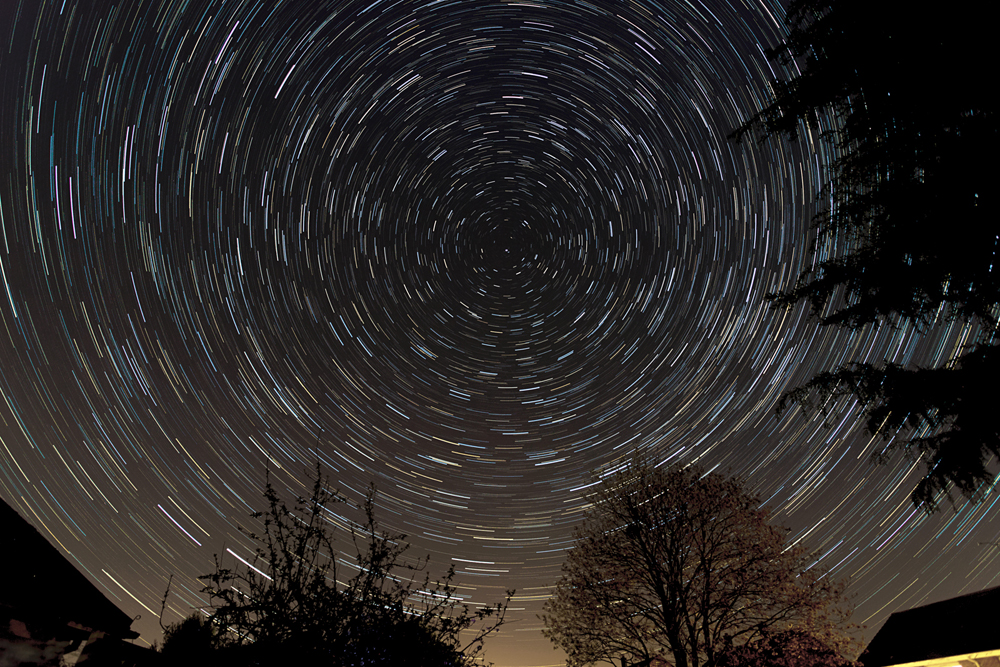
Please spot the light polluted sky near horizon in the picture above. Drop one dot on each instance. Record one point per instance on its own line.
(468, 250)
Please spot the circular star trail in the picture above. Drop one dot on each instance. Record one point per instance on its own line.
(468, 251)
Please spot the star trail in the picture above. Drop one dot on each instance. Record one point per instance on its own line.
(468, 250)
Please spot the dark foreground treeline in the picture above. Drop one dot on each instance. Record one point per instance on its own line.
(295, 603)
(670, 566)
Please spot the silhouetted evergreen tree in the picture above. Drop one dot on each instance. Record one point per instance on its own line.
(911, 231)
(189, 642)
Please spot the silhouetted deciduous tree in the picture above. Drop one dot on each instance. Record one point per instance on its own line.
(293, 604)
(911, 235)
(671, 564)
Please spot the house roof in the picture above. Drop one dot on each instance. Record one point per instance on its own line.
(41, 583)
(958, 626)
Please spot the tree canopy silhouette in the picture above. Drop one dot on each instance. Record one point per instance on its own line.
(910, 235)
(294, 603)
(676, 564)
(788, 648)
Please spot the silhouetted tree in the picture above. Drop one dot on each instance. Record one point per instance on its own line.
(788, 648)
(189, 642)
(670, 564)
(911, 233)
(292, 604)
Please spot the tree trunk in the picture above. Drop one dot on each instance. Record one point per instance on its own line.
(680, 655)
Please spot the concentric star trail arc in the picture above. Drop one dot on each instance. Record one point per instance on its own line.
(468, 251)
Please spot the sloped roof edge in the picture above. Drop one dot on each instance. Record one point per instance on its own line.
(962, 625)
(44, 583)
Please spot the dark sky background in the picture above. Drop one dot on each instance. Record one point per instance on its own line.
(468, 250)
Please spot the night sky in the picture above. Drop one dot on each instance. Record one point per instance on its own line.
(467, 250)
